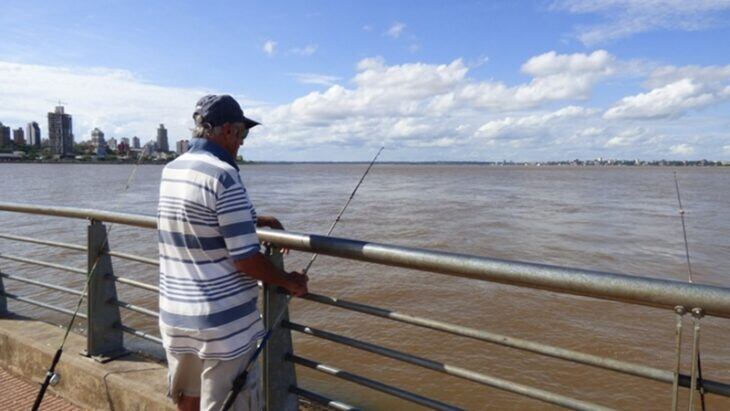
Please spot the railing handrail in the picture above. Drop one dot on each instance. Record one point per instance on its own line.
(646, 291)
(136, 220)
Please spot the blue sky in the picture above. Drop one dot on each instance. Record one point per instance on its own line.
(431, 80)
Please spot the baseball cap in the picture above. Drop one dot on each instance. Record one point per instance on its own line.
(217, 110)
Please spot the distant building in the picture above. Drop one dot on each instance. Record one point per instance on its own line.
(19, 136)
(60, 132)
(33, 134)
(4, 135)
(124, 140)
(97, 138)
(112, 144)
(135, 142)
(162, 139)
(182, 146)
(123, 147)
(98, 142)
(149, 148)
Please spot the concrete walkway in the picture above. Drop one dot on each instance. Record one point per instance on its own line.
(18, 394)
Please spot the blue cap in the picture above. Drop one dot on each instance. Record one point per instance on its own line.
(218, 110)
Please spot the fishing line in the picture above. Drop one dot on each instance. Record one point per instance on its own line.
(240, 380)
(689, 279)
(51, 372)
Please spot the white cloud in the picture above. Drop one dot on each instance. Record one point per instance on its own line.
(396, 29)
(307, 50)
(674, 92)
(520, 127)
(312, 78)
(629, 137)
(269, 47)
(682, 149)
(714, 76)
(113, 100)
(726, 149)
(367, 27)
(555, 77)
(625, 18)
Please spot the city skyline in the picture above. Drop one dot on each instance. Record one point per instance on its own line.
(32, 129)
(526, 81)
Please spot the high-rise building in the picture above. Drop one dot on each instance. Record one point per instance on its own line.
(19, 136)
(182, 146)
(112, 143)
(33, 134)
(124, 140)
(60, 132)
(4, 135)
(97, 138)
(135, 142)
(162, 139)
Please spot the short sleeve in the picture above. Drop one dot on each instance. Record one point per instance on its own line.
(236, 218)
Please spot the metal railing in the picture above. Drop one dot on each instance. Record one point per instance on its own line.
(280, 358)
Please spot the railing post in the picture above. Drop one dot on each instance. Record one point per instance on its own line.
(3, 300)
(279, 374)
(104, 339)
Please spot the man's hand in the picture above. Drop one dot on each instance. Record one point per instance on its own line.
(297, 285)
(271, 222)
(258, 267)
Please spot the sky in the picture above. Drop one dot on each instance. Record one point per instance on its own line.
(429, 80)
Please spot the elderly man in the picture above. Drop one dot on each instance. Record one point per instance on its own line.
(210, 264)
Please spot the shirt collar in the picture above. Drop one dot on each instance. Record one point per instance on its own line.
(199, 145)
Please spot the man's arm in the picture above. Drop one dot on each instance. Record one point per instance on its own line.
(260, 268)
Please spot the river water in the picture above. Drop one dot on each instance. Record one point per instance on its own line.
(609, 219)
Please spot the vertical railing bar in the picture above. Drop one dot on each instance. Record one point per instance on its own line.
(104, 341)
(696, 316)
(680, 311)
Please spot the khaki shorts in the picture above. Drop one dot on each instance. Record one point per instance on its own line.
(211, 380)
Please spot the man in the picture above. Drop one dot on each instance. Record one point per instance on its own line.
(210, 264)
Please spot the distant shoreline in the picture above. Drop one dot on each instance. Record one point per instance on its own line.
(587, 163)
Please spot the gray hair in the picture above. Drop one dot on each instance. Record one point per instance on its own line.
(205, 130)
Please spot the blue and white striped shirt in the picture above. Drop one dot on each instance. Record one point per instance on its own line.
(206, 222)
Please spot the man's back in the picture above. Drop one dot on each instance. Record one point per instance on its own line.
(205, 221)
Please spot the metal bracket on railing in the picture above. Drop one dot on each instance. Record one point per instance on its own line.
(104, 337)
(279, 374)
(680, 311)
(697, 314)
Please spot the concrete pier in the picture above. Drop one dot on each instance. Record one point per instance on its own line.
(132, 382)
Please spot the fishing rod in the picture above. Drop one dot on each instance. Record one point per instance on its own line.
(240, 380)
(689, 279)
(51, 372)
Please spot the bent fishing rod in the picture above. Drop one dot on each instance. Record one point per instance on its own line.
(700, 387)
(240, 380)
(51, 372)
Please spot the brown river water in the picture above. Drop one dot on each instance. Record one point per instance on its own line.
(610, 219)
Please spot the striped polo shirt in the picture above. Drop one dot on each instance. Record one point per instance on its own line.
(205, 222)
